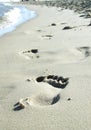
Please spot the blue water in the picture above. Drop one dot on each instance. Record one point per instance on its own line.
(12, 16)
(4, 8)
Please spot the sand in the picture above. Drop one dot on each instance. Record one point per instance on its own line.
(45, 73)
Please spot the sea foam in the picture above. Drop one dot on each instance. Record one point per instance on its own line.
(12, 16)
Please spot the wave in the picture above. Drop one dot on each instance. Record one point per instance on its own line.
(12, 16)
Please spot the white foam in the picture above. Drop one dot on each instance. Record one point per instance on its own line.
(15, 17)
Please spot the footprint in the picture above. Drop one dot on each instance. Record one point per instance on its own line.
(44, 99)
(38, 100)
(65, 56)
(85, 50)
(48, 36)
(33, 53)
(53, 80)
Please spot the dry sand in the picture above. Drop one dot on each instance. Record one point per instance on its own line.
(30, 56)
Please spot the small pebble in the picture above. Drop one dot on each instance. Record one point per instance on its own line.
(69, 99)
(28, 51)
(28, 80)
(53, 24)
(37, 56)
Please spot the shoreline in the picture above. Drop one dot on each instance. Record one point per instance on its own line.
(75, 6)
(14, 17)
(45, 72)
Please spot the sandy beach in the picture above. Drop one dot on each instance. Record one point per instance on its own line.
(45, 72)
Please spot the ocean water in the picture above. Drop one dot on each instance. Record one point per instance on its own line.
(12, 16)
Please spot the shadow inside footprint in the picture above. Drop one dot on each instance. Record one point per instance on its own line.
(53, 24)
(45, 100)
(57, 85)
(18, 108)
(67, 27)
(89, 24)
(34, 50)
(54, 80)
(85, 50)
(55, 99)
(16, 104)
(40, 78)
